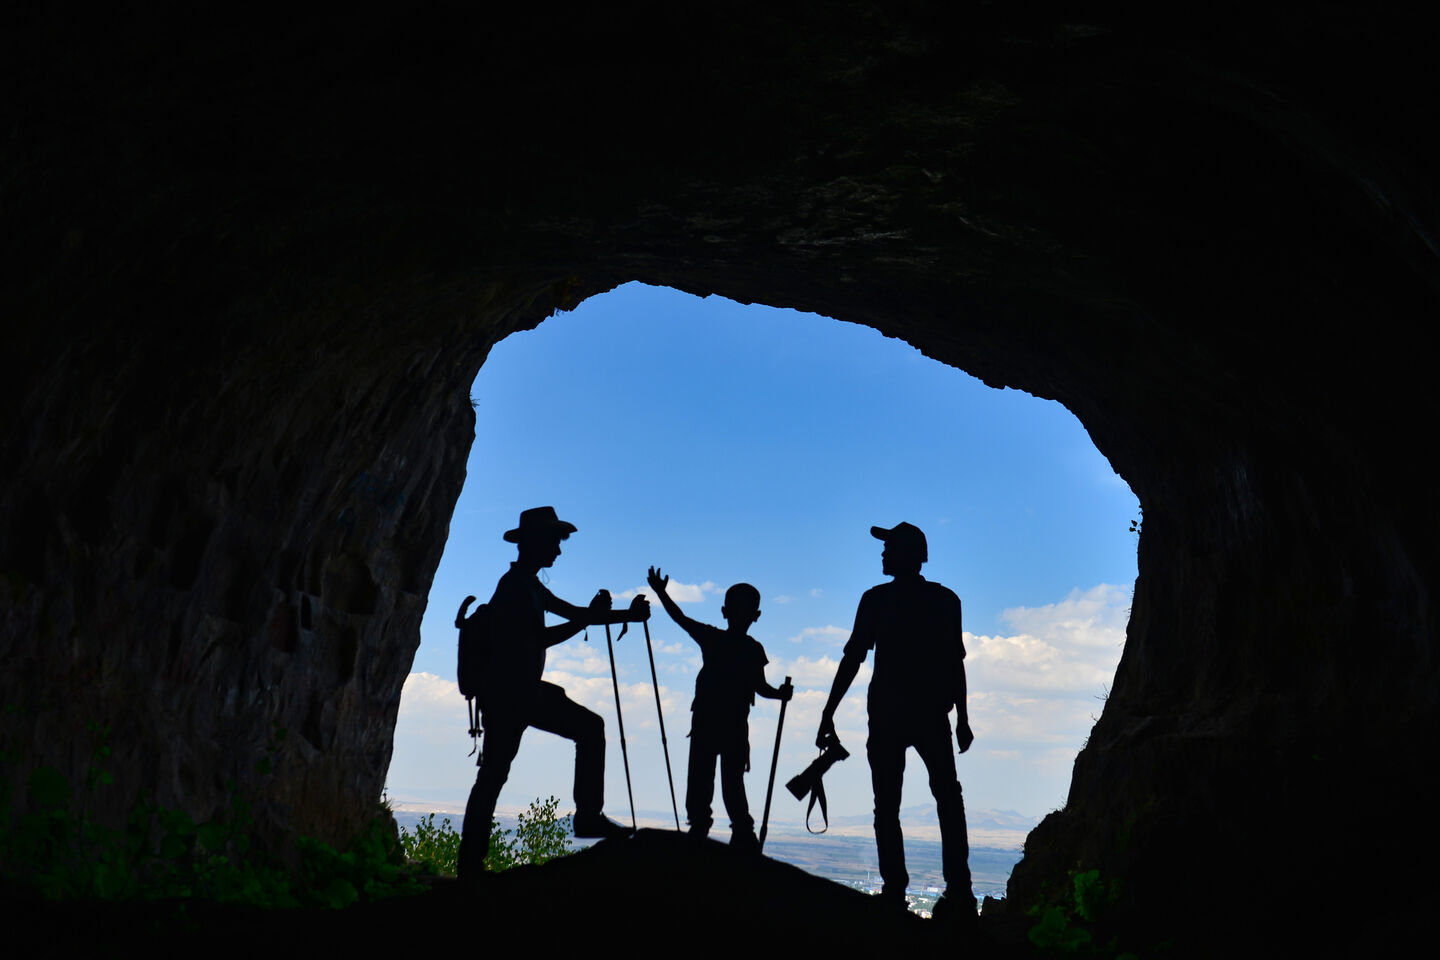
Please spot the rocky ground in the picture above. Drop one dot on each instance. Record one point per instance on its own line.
(656, 892)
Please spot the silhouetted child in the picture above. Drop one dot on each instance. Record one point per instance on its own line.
(733, 672)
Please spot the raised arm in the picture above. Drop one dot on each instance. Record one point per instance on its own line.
(658, 583)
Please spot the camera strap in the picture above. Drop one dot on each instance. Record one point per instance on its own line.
(818, 796)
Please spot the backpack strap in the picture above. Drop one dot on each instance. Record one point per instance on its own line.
(476, 731)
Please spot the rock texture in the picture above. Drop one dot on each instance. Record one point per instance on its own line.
(711, 897)
(256, 262)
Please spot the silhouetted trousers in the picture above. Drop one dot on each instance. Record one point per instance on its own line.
(734, 754)
(889, 738)
(549, 710)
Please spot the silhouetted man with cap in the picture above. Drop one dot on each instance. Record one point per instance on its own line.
(913, 626)
(513, 697)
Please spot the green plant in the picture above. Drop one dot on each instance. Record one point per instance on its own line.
(1094, 897)
(57, 849)
(372, 867)
(437, 847)
(540, 836)
(1057, 931)
(1067, 925)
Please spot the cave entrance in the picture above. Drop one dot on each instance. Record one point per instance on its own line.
(725, 442)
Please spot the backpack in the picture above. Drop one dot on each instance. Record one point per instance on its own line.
(474, 652)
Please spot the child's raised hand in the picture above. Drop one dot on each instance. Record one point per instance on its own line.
(657, 582)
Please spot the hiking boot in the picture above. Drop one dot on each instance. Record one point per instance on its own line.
(894, 900)
(744, 841)
(957, 910)
(469, 867)
(598, 826)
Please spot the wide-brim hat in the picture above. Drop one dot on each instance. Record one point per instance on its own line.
(539, 521)
(906, 536)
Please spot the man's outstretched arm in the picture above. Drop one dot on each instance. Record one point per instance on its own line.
(597, 614)
(844, 676)
(561, 632)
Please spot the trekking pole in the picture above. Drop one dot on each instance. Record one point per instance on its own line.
(774, 760)
(615, 679)
(664, 744)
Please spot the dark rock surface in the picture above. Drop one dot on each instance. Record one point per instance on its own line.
(656, 894)
(255, 261)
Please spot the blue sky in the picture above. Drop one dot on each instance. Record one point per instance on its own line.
(727, 442)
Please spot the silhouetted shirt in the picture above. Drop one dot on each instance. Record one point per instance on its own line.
(734, 668)
(913, 626)
(517, 643)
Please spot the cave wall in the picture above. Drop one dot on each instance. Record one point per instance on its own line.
(258, 261)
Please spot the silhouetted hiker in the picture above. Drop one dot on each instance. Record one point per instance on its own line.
(733, 672)
(513, 697)
(913, 626)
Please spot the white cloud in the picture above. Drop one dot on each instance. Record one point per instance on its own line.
(817, 673)
(679, 592)
(1030, 663)
(1067, 649)
(1003, 720)
(1093, 618)
(780, 599)
(1039, 691)
(579, 657)
(427, 694)
(637, 700)
(431, 710)
(832, 635)
(816, 591)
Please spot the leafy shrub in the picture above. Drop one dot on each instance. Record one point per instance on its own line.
(438, 848)
(1066, 926)
(58, 850)
(539, 836)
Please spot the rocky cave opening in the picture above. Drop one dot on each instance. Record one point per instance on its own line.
(256, 262)
(742, 442)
